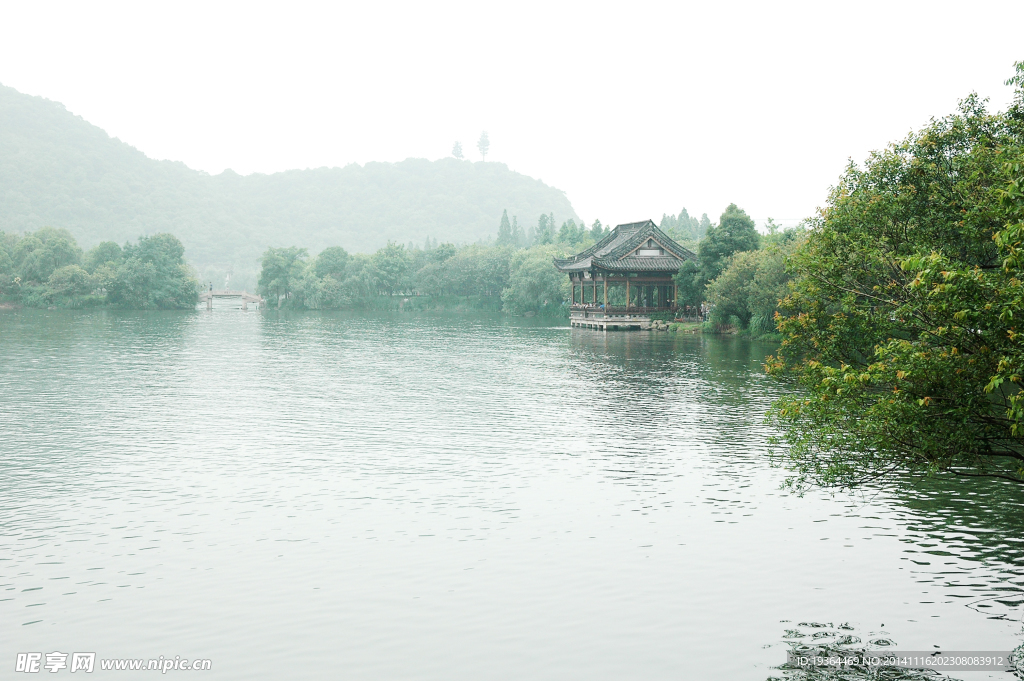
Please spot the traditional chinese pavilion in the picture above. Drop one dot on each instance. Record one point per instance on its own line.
(625, 278)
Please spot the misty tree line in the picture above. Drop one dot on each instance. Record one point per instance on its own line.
(47, 268)
(513, 272)
(741, 273)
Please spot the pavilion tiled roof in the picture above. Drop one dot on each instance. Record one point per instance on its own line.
(617, 251)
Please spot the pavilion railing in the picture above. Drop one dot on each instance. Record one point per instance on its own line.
(622, 309)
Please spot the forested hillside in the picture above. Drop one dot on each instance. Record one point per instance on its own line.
(58, 170)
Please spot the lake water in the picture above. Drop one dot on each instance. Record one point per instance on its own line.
(342, 496)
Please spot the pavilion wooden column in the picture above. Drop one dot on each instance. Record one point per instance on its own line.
(595, 289)
(606, 291)
(675, 294)
(627, 293)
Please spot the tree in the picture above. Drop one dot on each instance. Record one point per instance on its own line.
(505, 237)
(703, 226)
(534, 285)
(483, 144)
(46, 269)
(728, 293)
(735, 232)
(443, 252)
(6, 268)
(361, 280)
(689, 284)
(324, 293)
(37, 255)
(545, 230)
(752, 284)
(154, 274)
(903, 325)
(281, 271)
(37, 265)
(331, 262)
(569, 234)
(130, 288)
(518, 238)
(103, 253)
(21, 255)
(771, 282)
(63, 252)
(457, 150)
(68, 282)
(391, 264)
(597, 231)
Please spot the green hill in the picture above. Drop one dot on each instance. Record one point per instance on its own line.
(57, 169)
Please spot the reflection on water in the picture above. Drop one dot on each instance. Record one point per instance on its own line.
(968, 537)
(399, 496)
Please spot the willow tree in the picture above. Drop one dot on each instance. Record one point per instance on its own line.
(903, 322)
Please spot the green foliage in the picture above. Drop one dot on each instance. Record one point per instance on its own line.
(730, 292)
(68, 284)
(534, 284)
(392, 267)
(752, 284)
(518, 236)
(545, 233)
(682, 227)
(570, 234)
(34, 257)
(476, 270)
(689, 284)
(325, 293)
(361, 279)
(476, 276)
(443, 252)
(734, 233)
(153, 274)
(331, 262)
(505, 236)
(6, 264)
(282, 273)
(321, 286)
(903, 323)
(104, 253)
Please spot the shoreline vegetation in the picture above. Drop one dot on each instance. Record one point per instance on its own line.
(740, 273)
(901, 325)
(512, 273)
(48, 269)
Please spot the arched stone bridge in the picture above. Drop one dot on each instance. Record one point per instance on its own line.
(246, 297)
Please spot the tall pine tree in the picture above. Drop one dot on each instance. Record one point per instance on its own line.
(505, 231)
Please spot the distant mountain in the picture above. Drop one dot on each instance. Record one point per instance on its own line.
(57, 169)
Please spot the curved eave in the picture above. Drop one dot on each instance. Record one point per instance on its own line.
(640, 264)
(572, 265)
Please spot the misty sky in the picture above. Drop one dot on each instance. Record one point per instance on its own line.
(634, 109)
